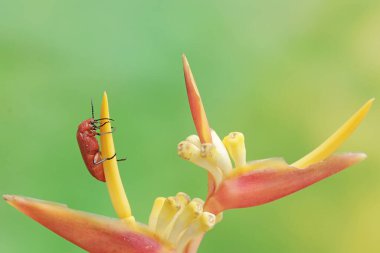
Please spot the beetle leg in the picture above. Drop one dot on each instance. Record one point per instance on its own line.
(109, 158)
(105, 159)
(103, 119)
(99, 162)
(97, 127)
(100, 134)
(107, 122)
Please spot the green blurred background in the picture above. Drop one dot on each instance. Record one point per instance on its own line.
(285, 73)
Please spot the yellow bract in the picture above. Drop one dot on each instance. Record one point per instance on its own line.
(334, 141)
(115, 186)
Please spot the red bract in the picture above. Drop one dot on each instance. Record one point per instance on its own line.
(264, 185)
(93, 233)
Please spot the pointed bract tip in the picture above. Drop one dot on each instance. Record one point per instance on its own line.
(360, 156)
(368, 104)
(104, 105)
(7, 197)
(196, 106)
(184, 59)
(186, 66)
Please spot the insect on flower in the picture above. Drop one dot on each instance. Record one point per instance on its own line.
(89, 146)
(173, 222)
(177, 224)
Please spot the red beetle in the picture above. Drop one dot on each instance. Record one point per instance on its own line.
(89, 146)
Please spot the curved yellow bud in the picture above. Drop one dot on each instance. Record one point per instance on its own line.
(154, 214)
(184, 219)
(234, 143)
(202, 224)
(168, 211)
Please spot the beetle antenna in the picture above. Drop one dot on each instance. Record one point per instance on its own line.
(92, 109)
(121, 159)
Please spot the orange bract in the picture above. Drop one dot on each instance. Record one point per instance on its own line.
(196, 105)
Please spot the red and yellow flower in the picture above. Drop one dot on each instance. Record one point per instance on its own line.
(178, 223)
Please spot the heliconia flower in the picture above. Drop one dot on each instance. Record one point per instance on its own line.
(173, 222)
(177, 224)
(258, 182)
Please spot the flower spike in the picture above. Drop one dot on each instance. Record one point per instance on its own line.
(177, 224)
(196, 105)
(335, 140)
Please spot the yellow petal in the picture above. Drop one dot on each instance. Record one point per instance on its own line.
(154, 214)
(234, 143)
(189, 213)
(168, 211)
(204, 159)
(202, 224)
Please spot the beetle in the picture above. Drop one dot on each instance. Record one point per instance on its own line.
(89, 146)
